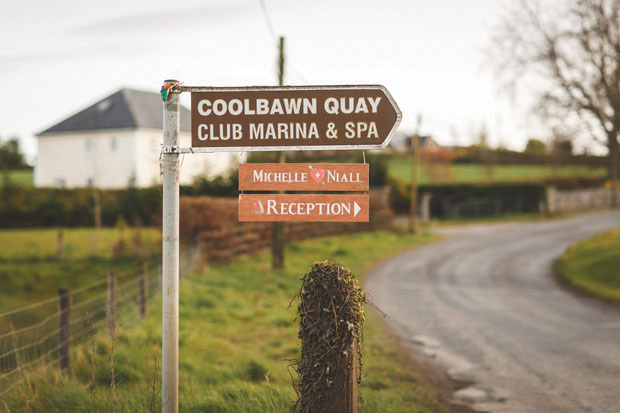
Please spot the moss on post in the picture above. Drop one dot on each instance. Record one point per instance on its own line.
(331, 318)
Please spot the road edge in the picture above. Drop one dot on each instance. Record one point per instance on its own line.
(578, 292)
(431, 375)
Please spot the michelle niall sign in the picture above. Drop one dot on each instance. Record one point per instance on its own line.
(303, 177)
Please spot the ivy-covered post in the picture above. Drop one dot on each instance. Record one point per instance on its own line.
(331, 319)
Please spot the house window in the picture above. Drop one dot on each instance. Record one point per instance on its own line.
(90, 182)
(59, 182)
(87, 145)
(113, 145)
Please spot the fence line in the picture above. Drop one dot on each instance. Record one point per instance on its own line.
(41, 341)
(120, 288)
(23, 367)
(29, 306)
(75, 291)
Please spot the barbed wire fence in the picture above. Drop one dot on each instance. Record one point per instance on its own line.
(72, 317)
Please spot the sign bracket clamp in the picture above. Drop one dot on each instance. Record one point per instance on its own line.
(170, 149)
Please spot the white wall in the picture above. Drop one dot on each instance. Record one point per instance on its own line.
(73, 159)
(192, 165)
(66, 159)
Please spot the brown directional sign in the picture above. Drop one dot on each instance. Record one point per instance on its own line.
(303, 177)
(304, 207)
(293, 118)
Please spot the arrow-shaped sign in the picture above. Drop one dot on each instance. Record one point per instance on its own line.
(292, 118)
(356, 208)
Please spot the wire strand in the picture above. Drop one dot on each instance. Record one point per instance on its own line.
(265, 13)
(29, 306)
(123, 297)
(73, 292)
(46, 346)
(295, 73)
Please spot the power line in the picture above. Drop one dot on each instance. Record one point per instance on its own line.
(263, 8)
(295, 73)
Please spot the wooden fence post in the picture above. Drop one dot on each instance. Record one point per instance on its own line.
(331, 321)
(60, 245)
(349, 384)
(111, 302)
(64, 331)
(425, 208)
(143, 289)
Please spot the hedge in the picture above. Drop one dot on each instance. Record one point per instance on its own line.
(46, 207)
(446, 199)
(54, 207)
(487, 199)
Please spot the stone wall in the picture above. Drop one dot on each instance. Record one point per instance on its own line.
(215, 245)
(579, 199)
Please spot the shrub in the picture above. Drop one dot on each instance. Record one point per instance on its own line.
(219, 186)
(46, 207)
(206, 213)
(511, 197)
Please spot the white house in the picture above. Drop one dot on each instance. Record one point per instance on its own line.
(116, 142)
(402, 142)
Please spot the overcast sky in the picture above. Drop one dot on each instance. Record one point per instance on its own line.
(57, 57)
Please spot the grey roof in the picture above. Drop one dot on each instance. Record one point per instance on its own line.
(126, 108)
(424, 139)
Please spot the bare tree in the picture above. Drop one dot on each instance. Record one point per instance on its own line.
(572, 50)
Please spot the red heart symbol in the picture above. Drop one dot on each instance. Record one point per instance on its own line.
(317, 175)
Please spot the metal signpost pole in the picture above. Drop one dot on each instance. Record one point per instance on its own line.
(170, 256)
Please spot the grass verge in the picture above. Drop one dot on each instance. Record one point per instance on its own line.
(471, 173)
(593, 266)
(237, 337)
(30, 271)
(21, 177)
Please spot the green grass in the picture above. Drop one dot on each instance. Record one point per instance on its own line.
(593, 266)
(236, 328)
(471, 173)
(30, 272)
(22, 177)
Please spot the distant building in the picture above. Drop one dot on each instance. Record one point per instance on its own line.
(115, 143)
(404, 143)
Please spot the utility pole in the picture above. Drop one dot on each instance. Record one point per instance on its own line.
(170, 254)
(277, 230)
(281, 61)
(415, 161)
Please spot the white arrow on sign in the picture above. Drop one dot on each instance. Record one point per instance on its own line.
(356, 208)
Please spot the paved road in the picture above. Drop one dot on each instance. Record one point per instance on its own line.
(484, 305)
